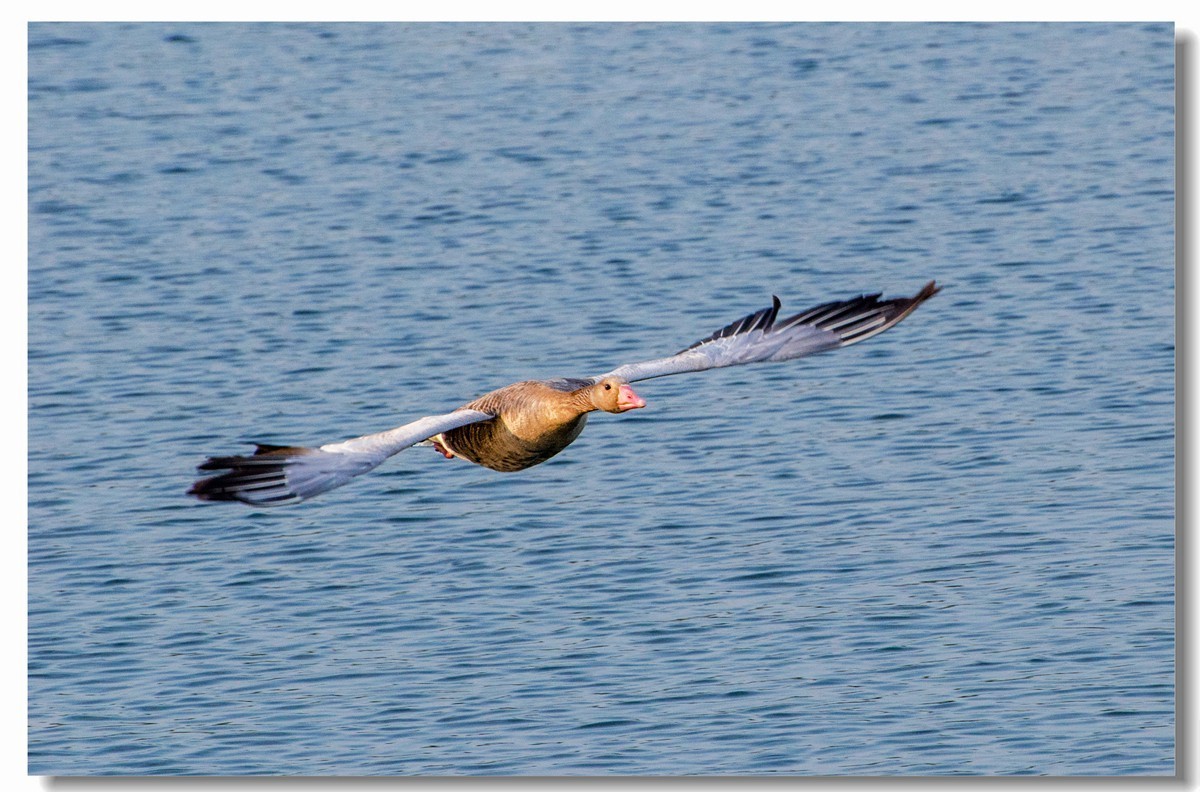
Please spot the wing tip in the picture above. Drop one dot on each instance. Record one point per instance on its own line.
(895, 311)
(210, 489)
(927, 291)
(234, 486)
(245, 475)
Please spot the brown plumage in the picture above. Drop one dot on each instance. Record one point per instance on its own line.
(534, 421)
(525, 424)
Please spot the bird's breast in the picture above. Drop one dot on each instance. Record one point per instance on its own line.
(507, 444)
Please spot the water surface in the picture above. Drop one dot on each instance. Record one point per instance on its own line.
(946, 550)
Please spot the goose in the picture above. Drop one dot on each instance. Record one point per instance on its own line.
(526, 423)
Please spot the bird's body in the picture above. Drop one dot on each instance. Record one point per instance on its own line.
(526, 423)
(534, 421)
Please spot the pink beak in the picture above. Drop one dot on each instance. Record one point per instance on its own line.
(628, 400)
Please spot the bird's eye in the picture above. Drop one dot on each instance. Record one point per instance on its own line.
(607, 386)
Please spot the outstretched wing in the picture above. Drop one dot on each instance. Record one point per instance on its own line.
(760, 338)
(279, 475)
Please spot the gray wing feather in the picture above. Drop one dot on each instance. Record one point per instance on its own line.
(382, 445)
(761, 337)
(279, 475)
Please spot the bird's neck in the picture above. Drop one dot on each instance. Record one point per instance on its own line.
(581, 402)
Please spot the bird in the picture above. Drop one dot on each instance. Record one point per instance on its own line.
(526, 423)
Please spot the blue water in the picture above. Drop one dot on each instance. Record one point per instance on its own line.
(946, 550)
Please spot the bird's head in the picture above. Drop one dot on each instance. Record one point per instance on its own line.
(615, 395)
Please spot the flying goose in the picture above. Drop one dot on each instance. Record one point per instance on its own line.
(526, 423)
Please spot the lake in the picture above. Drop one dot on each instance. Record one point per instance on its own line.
(947, 550)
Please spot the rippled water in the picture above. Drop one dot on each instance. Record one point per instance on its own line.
(947, 550)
